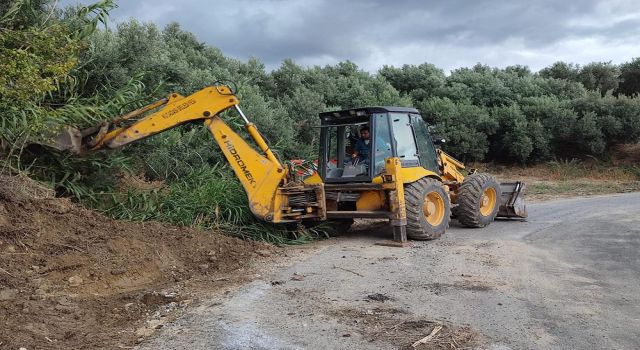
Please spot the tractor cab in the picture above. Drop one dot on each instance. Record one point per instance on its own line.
(354, 143)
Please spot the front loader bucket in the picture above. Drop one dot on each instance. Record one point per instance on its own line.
(512, 201)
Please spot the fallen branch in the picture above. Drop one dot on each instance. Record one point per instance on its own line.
(343, 269)
(424, 340)
(398, 325)
(7, 272)
(69, 246)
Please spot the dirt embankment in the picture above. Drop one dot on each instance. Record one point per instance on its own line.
(71, 278)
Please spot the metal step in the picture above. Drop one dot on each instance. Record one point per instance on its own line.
(353, 187)
(378, 214)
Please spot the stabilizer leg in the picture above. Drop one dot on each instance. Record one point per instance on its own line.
(399, 235)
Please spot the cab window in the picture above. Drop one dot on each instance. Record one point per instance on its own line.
(426, 149)
(382, 149)
(404, 140)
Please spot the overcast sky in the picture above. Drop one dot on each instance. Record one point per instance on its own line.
(447, 33)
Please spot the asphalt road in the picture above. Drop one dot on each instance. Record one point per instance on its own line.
(568, 278)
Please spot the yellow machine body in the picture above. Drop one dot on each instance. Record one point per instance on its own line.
(403, 195)
(271, 196)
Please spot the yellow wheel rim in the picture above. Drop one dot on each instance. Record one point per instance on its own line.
(433, 208)
(488, 201)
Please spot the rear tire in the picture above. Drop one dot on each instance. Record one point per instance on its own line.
(428, 209)
(478, 200)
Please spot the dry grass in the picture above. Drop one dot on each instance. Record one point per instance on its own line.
(569, 178)
(545, 190)
(627, 154)
(566, 171)
(23, 186)
(397, 328)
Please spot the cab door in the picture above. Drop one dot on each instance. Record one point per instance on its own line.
(426, 149)
(382, 141)
(413, 144)
(404, 140)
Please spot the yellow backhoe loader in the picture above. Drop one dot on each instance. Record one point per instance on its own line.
(374, 162)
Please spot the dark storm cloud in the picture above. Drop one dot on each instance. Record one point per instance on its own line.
(376, 32)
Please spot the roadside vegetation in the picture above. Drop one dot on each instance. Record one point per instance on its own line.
(619, 172)
(66, 67)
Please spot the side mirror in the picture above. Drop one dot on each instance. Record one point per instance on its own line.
(438, 140)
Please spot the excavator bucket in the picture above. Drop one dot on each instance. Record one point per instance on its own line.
(81, 141)
(66, 140)
(512, 202)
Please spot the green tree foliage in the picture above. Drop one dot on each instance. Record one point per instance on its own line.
(484, 111)
(34, 52)
(38, 53)
(512, 114)
(561, 70)
(600, 76)
(466, 127)
(616, 118)
(479, 85)
(630, 78)
(33, 60)
(512, 141)
(420, 82)
(554, 121)
(171, 58)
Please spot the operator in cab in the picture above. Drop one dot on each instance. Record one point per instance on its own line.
(361, 151)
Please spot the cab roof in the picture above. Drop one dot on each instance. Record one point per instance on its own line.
(365, 111)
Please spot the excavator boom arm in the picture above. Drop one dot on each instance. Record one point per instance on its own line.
(260, 172)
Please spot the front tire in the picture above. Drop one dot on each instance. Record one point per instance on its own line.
(428, 209)
(478, 200)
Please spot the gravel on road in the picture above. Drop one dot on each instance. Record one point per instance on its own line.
(568, 278)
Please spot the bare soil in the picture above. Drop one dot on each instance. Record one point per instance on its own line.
(71, 278)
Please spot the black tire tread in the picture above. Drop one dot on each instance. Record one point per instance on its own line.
(468, 198)
(417, 227)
